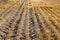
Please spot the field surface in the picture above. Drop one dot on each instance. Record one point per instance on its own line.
(29, 20)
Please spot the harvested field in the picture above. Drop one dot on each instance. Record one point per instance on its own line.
(28, 20)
